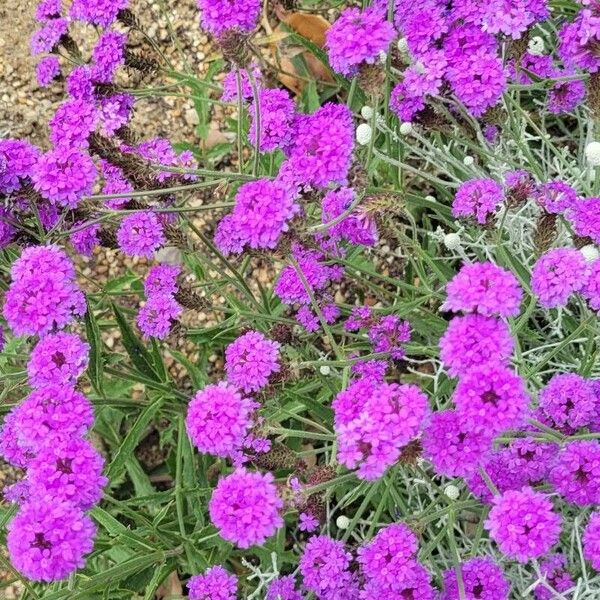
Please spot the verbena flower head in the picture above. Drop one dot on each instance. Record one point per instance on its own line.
(230, 84)
(115, 182)
(475, 341)
(214, 584)
(591, 541)
(85, 238)
(108, 55)
(452, 447)
(161, 279)
(585, 218)
(491, 396)
(98, 12)
(19, 158)
(569, 400)
(245, 508)
(565, 96)
(417, 585)
(48, 540)
(484, 288)
(406, 103)
(423, 26)
(250, 360)
(554, 570)
(513, 17)
(556, 196)
(72, 124)
(576, 473)
(322, 148)
(64, 175)
(79, 83)
(357, 227)
(219, 419)
(576, 43)
(156, 317)
(523, 524)
(283, 588)
(67, 469)
(556, 275)
(389, 334)
(219, 16)
(277, 120)
(48, 9)
(324, 566)
(348, 403)
(591, 289)
(47, 38)
(477, 198)
(114, 112)
(357, 37)
(141, 234)
(47, 70)
(482, 578)
(60, 358)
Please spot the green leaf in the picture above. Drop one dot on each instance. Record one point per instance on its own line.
(95, 366)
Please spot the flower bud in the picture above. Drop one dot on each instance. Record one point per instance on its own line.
(592, 153)
(452, 492)
(364, 134)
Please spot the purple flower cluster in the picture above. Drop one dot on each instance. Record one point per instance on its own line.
(357, 227)
(591, 541)
(477, 198)
(554, 570)
(220, 16)
(141, 234)
(482, 578)
(277, 116)
(214, 584)
(576, 472)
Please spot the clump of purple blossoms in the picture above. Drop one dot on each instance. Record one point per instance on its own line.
(214, 584)
(47, 70)
(230, 84)
(72, 124)
(250, 360)
(585, 218)
(576, 473)
(569, 401)
(98, 12)
(48, 37)
(108, 55)
(356, 227)
(591, 541)
(141, 234)
(523, 524)
(219, 16)
(161, 279)
(556, 196)
(47, 540)
(577, 42)
(554, 570)
(357, 37)
(19, 158)
(556, 275)
(477, 198)
(565, 96)
(64, 175)
(156, 317)
(591, 289)
(79, 83)
(245, 508)
(48, 9)
(482, 578)
(475, 341)
(283, 588)
(114, 112)
(484, 288)
(58, 358)
(219, 419)
(277, 119)
(85, 238)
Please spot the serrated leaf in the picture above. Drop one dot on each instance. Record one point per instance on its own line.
(95, 366)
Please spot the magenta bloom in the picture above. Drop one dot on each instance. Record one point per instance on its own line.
(324, 566)
(114, 112)
(47, 540)
(230, 86)
(388, 334)
(357, 37)
(565, 96)
(556, 275)
(67, 469)
(477, 198)
(108, 55)
(576, 473)
(484, 288)
(250, 360)
(348, 403)
(569, 400)
(141, 234)
(245, 508)
(591, 541)
(475, 341)
(556, 196)
(64, 175)
(277, 120)
(491, 396)
(417, 585)
(72, 124)
(47, 70)
(452, 447)
(423, 25)
(161, 279)
(214, 584)
(585, 217)
(554, 569)
(523, 524)
(283, 588)
(156, 317)
(591, 289)
(98, 12)
(406, 103)
(79, 83)
(219, 16)
(482, 578)
(48, 9)
(219, 419)
(59, 358)
(84, 240)
(19, 159)
(47, 38)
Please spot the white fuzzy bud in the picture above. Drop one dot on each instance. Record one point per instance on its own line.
(402, 46)
(590, 253)
(382, 57)
(366, 112)
(468, 161)
(406, 128)
(342, 522)
(536, 46)
(452, 241)
(452, 492)
(592, 153)
(325, 369)
(364, 134)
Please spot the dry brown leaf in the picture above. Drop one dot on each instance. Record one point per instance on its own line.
(171, 588)
(312, 27)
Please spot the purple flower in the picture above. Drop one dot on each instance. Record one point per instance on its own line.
(418, 585)
(491, 396)
(388, 335)
(156, 317)
(477, 198)
(114, 112)
(324, 566)
(64, 175)
(250, 360)
(554, 570)
(67, 469)
(484, 288)
(214, 584)
(307, 522)
(98, 12)
(565, 96)
(591, 289)
(591, 541)
(245, 508)
(467, 39)
(424, 26)
(556, 275)
(283, 588)
(322, 148)
(482, 578)
(475, 341)
(357, 227)
(577, 41)
(556, 196)
(569, 400)
(48, 9)
(453, 448)
(85, 238)
(406, 103)
(47, 70)
(19, 159)
(161, 279)
(585, 217)
(72, 123)
(108, 55)
(219, 419)
(513, 17)
(140, 234)
(230, 85)
(425, 77)
(357, 37)
(79, 83)
(47, 540)
(523, 524)
(59, 358)
(277, 119)
(576, 474)
(219, 16)
(115, 182)
(47, 38)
